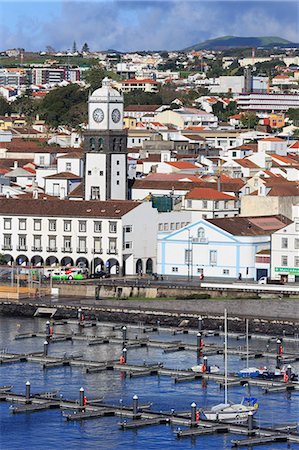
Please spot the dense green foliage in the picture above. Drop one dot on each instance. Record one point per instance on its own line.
(5, 107)
(65, 106)
(249, 119)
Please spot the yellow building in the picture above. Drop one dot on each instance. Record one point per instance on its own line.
(130, 122)
(276, 120)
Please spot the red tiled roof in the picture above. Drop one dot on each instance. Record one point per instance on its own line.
(145, 80)
(182, 165)
(251, 226)
(272, 139)
(63, 175)
(247, 163)
(65, 208)
(208, 194)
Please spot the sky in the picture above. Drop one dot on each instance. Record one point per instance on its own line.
(127, 25)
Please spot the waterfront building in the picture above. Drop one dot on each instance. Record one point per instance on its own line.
(117, 236)
(221, 248)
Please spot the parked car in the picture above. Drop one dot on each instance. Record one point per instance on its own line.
(99, 274)
(266, 280)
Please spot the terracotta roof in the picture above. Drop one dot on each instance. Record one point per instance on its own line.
(251, 226)
(151, 158)
(72, 155)
(273, 139)
(284, 191)
(247, 163)
(295, 145)
(283, 159)
(208, 194)
(77, 192)
(145, 80)
(63, 175)
(173, 177)
(182, 165)
(166, 185)
(66, 208)
(194, 137)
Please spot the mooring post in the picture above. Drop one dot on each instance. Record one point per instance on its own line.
(198, 343)
(47, 329)
(193, 414)
(199, 323)
(135, 405)
(46, 344)
(125, 352)
(250, 421)
(81, 397)
(79, 315)
(27, 395)
(278, 346)
(124, 330)
(205, 363)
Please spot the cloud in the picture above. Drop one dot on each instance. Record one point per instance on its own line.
(144, 25)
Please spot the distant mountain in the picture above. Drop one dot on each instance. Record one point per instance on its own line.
(226, 42)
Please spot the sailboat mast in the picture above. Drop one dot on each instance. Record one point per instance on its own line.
(247, 344)
(225, 356)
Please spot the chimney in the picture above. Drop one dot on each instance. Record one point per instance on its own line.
(7, 194)
(35, 194)
(15, 164)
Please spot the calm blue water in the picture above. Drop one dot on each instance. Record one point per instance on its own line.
(49, 430)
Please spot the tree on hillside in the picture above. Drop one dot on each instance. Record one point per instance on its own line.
(5, 107)
(26, 106)
(249, 119)
(65, 106)
(85, 48)
(138, 97)
(293, 114)
(94, 76)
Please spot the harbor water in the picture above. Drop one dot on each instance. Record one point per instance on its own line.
(50, 430)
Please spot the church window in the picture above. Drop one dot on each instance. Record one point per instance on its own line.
(101, 173)
(89, 172)
(92, 143)
(117, 182)
(101, 143)
(201, 233)
(117, 163)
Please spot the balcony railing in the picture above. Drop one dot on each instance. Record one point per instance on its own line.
(7, 247)
(81, 250)
(112, 251)
(66, 249)
(51, 249)
(97, 251)
(36, 248)
(22, 248)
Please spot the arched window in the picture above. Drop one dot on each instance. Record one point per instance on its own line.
(114, 144)
(201, 233)
(101, 143)
(92, 143)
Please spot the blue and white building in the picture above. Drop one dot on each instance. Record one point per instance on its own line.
(222, 247)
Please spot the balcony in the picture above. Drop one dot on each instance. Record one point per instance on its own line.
(81, 250)
(37, 248)
(66, 250)
(97, 251)
(51, 249)
(7, 247)
(112, 251)
(22, 248)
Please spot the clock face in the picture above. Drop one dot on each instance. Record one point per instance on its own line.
(98, 115)
(116, 115)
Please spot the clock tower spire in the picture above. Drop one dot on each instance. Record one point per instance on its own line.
(105, 146)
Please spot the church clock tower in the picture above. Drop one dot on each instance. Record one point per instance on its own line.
(105, 146)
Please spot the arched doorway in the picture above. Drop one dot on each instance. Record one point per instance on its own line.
(52, 261)
(9, 259)
(149, 266)
(96, 265)
(139, 266)
(82, 262)
(37, 260)
(22, 260)
(112, 266)
(67, 261)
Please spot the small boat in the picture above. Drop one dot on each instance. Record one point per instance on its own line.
(231, 411)
(200, 368)
(252, 372)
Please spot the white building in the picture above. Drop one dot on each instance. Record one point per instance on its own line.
(273, 145)
(119, 236)
(211, 203)
(285, 251)
(221, 248)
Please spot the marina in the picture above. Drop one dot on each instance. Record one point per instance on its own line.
(155, 368)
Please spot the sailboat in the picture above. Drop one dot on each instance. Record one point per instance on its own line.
(229, 411)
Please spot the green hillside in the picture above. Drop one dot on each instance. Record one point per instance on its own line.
(226, 42)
